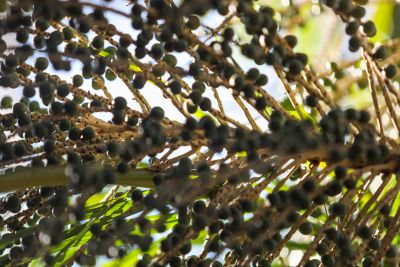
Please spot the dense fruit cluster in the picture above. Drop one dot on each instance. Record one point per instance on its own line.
(359, 30)
(142, 186)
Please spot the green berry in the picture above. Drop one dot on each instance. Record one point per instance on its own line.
(193, 22)
(77, 80)
(369, 28)
(88, 133)
(98, 42)
(390, 71)
(120, 103)
(41, 63)
(157, 113)
(29, 91)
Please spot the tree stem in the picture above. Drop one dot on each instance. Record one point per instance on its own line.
(56, 176)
